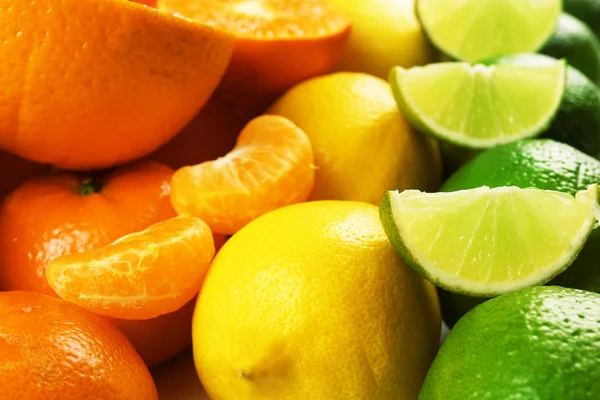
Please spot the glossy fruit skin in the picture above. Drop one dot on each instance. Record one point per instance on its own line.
(345, 114)
(586, 10)
(540, 163)
(105, 82)
(384, 34)
(303, 290)
(576, 42)
(539, 342)
(577, 122)
(543, 164)
(54, 350)
(47, 217)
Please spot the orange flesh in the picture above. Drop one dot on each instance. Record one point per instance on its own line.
(271, 166)
(141, 275)
(267, 19)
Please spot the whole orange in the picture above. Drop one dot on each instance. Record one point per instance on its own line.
(62, 213)
(95, 83)
(54, 350)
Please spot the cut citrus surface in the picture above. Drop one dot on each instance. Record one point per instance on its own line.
(141, 275)
(484, 241)
(278, 42)
(577, 121)
(474, 30)
(480, 106)
(271, 166)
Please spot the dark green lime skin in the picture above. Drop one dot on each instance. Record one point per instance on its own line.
(539, 163)
(577, 121)
(586, 10)
(543, 164)
(537, 343)
(578, 44)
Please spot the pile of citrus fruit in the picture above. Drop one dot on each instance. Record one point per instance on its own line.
(298, 193)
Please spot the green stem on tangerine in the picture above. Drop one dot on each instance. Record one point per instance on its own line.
(89, 186)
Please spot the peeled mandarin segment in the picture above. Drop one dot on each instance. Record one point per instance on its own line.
(141, 275)
(270, 167)
(279, 42)
(112, 79)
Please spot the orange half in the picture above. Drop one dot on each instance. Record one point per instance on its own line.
(278, 42)
(92, 84)
(141, 275)
(271, 166)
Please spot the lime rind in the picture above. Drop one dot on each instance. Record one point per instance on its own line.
(480, 106)
(474, 30)
(505, 237)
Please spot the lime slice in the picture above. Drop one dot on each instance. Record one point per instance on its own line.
(485, 242)
(480, 106)
(475, 30)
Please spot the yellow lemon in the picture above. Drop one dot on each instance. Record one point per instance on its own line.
(362, 144)
(385, 34)
(311, 301)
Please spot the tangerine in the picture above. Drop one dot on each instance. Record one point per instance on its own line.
(53, 350)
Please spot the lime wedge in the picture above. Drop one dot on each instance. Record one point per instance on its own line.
(479, 106)
(475, 30)
(485, 242)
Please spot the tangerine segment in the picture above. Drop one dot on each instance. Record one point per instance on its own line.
(278, 42)
(271, 166)
(141, 275)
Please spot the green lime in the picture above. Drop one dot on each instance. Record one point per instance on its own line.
(543, 164)
(539, 163)
(578, 119)
(586, 10)
(488, 241)
(479, 106)
(575, 41)
(535, 343)
(475, 30)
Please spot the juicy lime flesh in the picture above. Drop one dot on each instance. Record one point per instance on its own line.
(480, 106)
(487, 241)
(473, 30)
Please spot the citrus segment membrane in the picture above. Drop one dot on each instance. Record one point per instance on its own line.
(480, 106)
(272, 166)
(484, 242)
(141, 275)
